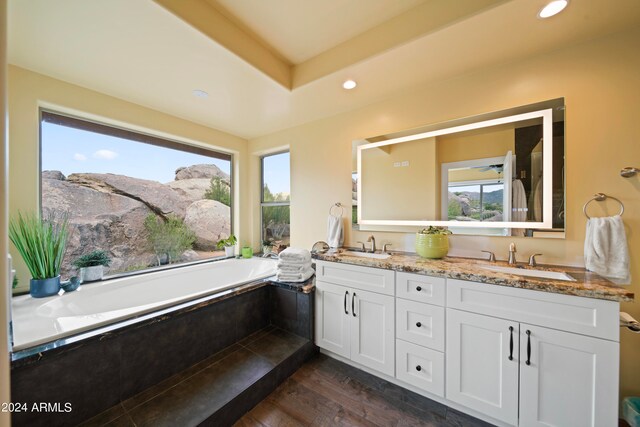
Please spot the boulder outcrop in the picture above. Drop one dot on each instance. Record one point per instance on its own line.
(121, 232)
(157, 197)
(209, 219)
(200, 171)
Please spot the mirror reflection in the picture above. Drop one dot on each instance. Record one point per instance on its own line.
(495, 174)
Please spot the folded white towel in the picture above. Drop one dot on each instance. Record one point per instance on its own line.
(605, 249)
(295, 277)
(295, 255)
(335, 232)
(292, 270)
(293, 264)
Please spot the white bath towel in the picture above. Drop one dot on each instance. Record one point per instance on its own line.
(295, 255)
(605, 249)
(293, 266)
(295, 277)
(518, 206)
(335, 232)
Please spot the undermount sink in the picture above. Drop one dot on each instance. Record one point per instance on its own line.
(542, 274)
(366, 255)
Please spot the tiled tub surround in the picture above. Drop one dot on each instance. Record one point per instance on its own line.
(101, 371)
(40, 320)
(511, 350)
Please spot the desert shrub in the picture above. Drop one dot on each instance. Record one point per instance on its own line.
(218, 190)
(170, 237)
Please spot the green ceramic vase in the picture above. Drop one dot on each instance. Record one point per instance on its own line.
(432, 246)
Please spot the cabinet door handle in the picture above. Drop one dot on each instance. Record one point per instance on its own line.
(528, 362)
(419, 324)
(353, 302)
(418, 368)
(418, 288)
(511, 343)
(346, 295)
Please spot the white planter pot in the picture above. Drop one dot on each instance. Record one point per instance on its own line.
(91, 274)
(229, 250)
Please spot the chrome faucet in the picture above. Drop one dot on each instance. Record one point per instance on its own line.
(372, 240)
(512, 254)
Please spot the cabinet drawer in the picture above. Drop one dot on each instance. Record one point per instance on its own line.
(587, 316)
(418, 287)
(421, 324)
(420, 367)
(355, 276)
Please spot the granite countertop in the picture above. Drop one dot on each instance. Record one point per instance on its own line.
(587, 284)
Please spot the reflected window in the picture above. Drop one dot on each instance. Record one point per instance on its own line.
(276, 199)
(477, 202)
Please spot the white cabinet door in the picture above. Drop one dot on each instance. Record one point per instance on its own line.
(372, 331)
(571, 379)
(479, 372)
(333, 316)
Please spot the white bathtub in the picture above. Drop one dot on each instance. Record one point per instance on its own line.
(41, 320)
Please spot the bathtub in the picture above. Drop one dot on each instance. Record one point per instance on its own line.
(39, 321)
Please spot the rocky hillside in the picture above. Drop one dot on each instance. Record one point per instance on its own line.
(107, 212)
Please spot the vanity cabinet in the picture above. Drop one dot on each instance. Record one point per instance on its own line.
(525, 374)
(519, 357)
(354, 323)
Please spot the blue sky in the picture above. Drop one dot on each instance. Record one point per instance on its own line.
(71, 150)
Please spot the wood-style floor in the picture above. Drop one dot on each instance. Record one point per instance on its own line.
(325, 392)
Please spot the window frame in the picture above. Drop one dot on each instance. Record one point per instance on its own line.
(481, 184)
(142, 137)
(264, 204)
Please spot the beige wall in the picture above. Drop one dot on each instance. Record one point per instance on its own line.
(28, 91)
(411, 190)
(600, 81)
(5, 417)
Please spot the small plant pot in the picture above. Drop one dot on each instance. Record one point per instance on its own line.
(433, 246)
(42, 288)
(92, 274)
(247, 252)
(229, 250)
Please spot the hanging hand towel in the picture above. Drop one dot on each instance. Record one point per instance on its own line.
(335, 233)
(605, 249)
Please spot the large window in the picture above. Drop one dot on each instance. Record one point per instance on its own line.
(145, 201)
(275, 199)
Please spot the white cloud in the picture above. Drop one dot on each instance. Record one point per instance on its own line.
(79, 157)
(105, 154)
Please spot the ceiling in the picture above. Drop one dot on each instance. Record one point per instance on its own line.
(273, 64)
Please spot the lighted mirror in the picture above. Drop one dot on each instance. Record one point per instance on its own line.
(495, 174)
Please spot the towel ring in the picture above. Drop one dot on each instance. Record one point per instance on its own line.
(599, 197)
(336, 205)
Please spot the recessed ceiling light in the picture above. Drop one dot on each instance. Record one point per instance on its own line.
(553, 8)
(200, 93)
(349, 84)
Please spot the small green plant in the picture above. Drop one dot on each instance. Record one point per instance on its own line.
(435, 230)
(92, 259)
(15, 282)
(170, 237)
(40, 242)
(218, 190)
(230, 241)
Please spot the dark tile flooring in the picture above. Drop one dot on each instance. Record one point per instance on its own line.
(190, 397)
(326, 392)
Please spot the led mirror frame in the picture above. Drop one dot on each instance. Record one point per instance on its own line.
(547, 164)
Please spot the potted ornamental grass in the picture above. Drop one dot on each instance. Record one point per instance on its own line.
(229, 245)
(41, 244)
(433, 242)
(92, 265)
